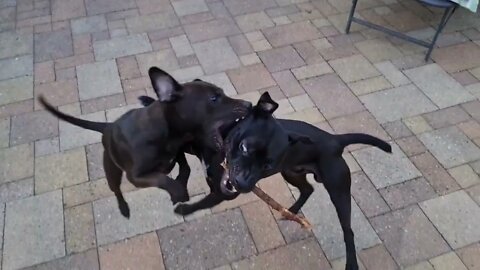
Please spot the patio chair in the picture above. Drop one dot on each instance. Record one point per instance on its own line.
(449, 7)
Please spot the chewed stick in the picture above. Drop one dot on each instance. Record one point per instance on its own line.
(283, 211)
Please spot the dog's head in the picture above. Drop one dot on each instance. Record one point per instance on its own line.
(256, 147)
(197, 105)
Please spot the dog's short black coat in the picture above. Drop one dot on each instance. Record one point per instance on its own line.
(147, 142)
(260, 146)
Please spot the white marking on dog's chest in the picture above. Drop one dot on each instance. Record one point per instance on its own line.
(205, 168)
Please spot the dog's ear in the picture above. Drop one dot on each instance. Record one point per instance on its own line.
(146, 100)
(197, 80)
(295, 138)
(165, 86)
(266, 104)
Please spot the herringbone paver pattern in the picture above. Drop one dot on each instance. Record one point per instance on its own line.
(416, 209)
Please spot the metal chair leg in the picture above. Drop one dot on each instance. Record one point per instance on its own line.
(350, 17)
(446, 16)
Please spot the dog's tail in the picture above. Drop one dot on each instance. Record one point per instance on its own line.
(353, 138)
(96, 126)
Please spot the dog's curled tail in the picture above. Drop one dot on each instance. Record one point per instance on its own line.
(353, 138)
(96, 126)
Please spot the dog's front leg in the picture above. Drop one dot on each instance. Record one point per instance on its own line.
(183, 170)
(160, 180)
(209, 201)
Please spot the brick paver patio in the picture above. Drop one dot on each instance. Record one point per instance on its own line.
(418, 208)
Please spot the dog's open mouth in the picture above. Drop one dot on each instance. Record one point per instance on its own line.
(226, 185)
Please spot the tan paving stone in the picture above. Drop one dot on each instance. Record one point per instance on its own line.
(409, 236)
(4, 132)
(417, 124)
(216, 55)
(310, 71)
(455, 215)
(248, 6)
(354, 68)
(435, 174)
(425, 265)
(301, 102)
(45, 222)
(411, 146)
(253, 21)
(262, 226)
(60, 170)
(397, 129)
(447, 261)
(151, 22)
(291, 33)
(79, 228)
(328, 90)
(458, 57)
(464, 175)
(309, 52)
(302, 255)
(15, 90)
(377, 258)
(57, 93)
(281, 59)
(366, 196)
(246, 79)
(369, 85)
(17, 163)
(210, 30)
(287, 82)
(470, 256)
(16, 190)
(141, 250)
(378, 50)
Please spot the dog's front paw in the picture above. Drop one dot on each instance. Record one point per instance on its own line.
(181, 197)
(183, 209)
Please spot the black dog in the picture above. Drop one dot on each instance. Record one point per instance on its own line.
(260, 146)
(146, 143)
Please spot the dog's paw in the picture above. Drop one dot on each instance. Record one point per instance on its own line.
(125, 211)
(179, 198)
(183, 209)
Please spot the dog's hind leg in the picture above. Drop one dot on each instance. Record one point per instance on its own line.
(299, 181)
(336, 179)
(114, 179)
(183, 173)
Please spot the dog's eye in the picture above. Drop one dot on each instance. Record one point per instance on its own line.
(214, 98)
(243, 148)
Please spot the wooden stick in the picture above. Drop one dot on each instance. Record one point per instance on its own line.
(283, 211)
(272, 203)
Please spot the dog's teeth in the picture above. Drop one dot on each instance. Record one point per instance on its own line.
(238, 119)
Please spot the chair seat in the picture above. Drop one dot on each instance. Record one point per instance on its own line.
(438, 3)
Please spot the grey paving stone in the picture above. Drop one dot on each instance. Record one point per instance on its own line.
(95, 161)
(60, 170)
(47, 146)
(87, 260)
(291, 33)
(248, 6)
(378, 50)
(16, 67)
(151, 22)
(287, 82)
(254, 77)
(218, 28)
(253, 21)
(32, 126)
(305, 254)
(312, 70)
(450, 146)
(79, 228)
(354, 68)
(72, 136)
(385, 169)
(406, 193)
(4, 132)
(207, 242)
(366, 196)
(17, 163)
(150, 209)
(98, 79)
(221, 80)
(44, 224)
(95, 7)
(15, 44)
(281, 58)
(16, 190)
(15, 90)
(53, 45)
(181, 46)
(393, 75)
(90, 24)
(440, 87)
(188, 7)
(2, 223)
(321, 213)
(121, 46)
(216, 55)
(409, 235)
(446, 117)
(327, 91)
(164, 59)
(456, 216)
(397, 103)
(67, 9)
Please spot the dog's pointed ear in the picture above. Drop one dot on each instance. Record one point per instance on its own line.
(146, 100)
(266, 104)
(197, 80)
(165, 86)
(295, 138)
